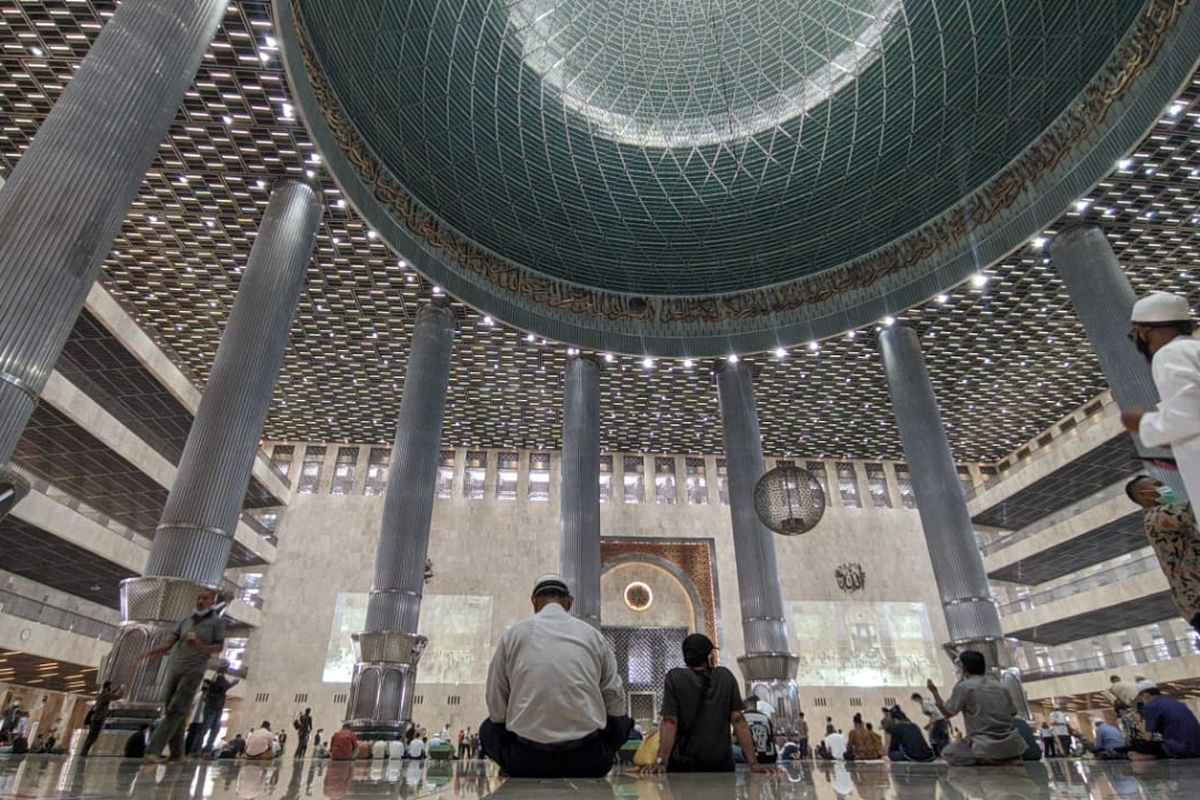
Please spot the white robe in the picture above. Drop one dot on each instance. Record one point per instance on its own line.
(1176, 422)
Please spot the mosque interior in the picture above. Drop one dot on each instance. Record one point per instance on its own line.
(363, 310)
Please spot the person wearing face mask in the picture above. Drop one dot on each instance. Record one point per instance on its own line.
(1171, 529)
(1162, 332)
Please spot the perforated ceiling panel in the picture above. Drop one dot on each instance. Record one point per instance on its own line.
(1005, 352)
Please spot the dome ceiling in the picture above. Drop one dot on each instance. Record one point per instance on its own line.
(699, 177)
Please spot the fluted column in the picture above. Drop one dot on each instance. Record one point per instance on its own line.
(768, 664)
(63, 204)
(380, 703)
(972, 619)
(192, 543)
(1103, 299)
(579, 531)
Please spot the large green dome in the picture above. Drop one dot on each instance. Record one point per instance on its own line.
(694, 177)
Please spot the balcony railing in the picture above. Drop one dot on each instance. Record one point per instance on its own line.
(42, 485)
(1103, 578)
(1159, 651)
(61, 618)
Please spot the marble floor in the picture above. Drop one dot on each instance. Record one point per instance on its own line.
(63, 777)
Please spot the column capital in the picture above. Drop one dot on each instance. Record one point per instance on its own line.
(438, 310)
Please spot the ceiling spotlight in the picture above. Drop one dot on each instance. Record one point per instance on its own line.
(814, 346)
(437, 290)
(572, 351)
(943, 299)
(648, 362)
(851, 334)
(732, 358)
(888, 321)
(609, 358)
(688, 363)
(780, 352)
(979, 280)
(1038, 242)
(530, 338)
(486, 321)
(1125, 163)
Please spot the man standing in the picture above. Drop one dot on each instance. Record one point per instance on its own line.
(1060, 726)
(194, 640)
(988, 712)
(1171, 530)
(556, 705)
(700, 703)
(1162, 332)
(935, 724)
(98, 715)
(214, 704)
(802, 736)
(1124, 695)
(303, 725)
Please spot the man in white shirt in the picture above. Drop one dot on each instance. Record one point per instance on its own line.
(1162, 332)
(1060, 726)
(416, 748)
(556, 705)
(260, 744)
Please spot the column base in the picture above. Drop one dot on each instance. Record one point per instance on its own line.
(151, 607)
(385, 677)
(772, 676)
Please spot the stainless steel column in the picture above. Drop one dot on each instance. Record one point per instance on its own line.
(579, 531)
(64, 202)
(388, 649)
(972, 619)
(192, 543)
(768, 664)
(1103, 299)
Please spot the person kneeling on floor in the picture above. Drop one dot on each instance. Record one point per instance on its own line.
(988, 713)
(1171, 720)
(556, 705)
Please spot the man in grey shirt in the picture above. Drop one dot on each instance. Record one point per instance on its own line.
(193, 641)
(988, 713)
(556, 705)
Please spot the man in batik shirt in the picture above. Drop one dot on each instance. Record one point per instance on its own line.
(1171, 529)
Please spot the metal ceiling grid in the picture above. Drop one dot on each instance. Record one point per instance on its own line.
(33, 553)
(1007, 356)
(1120, 616)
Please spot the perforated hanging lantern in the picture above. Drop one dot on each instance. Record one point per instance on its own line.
(789, 500)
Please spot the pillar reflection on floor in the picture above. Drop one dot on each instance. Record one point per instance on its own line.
(99, 777)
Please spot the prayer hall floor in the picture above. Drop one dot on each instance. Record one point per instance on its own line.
(99, 777)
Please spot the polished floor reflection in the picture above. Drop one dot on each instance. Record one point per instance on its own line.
(60, 777)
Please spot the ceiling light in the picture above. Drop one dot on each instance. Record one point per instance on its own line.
(979, 280)
(609, 358)
(688, 363)
(851, 334)
(572, 351)
(1124, 164)
(1038, 242)
(888, 321)
(732, 358)
(780, 352)
(648, 362)
(814, 346)
(943, 299)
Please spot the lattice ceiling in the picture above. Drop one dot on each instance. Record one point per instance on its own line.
(1006, 354)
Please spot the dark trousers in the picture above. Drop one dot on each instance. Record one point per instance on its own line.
(939, 737)
(94, 728)
(1064, 745)
(1049, 749)
(178, 695)
(589, 757)
(212, 724)
(1147, 748)
(301, 745)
